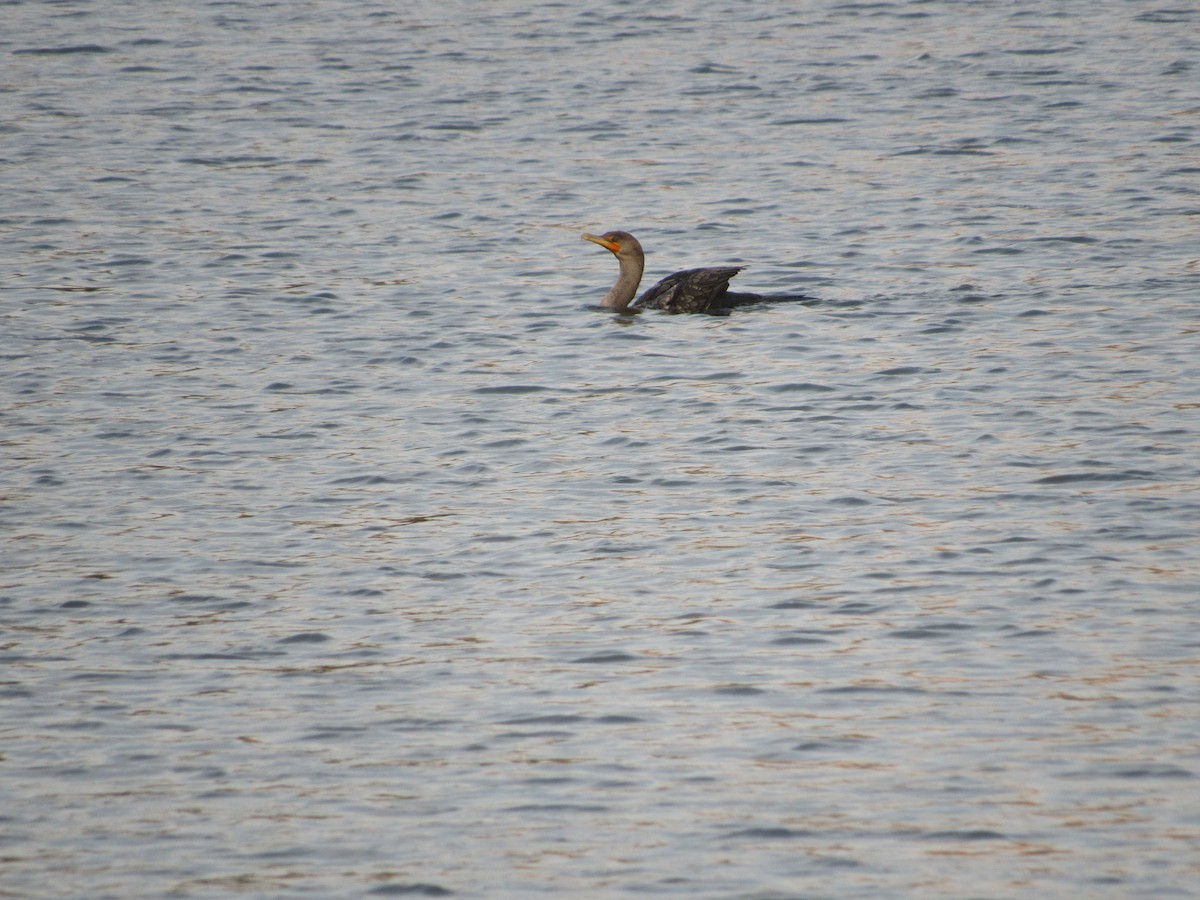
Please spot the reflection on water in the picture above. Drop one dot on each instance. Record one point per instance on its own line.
(349, 550)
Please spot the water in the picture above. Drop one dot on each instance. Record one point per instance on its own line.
(350, 551)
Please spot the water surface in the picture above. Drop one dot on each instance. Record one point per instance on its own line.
(349, 550)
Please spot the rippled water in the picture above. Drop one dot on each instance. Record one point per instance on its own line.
(348, 549)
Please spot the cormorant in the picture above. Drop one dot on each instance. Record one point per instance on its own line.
(690, 291)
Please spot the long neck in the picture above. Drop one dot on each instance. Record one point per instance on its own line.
(621, 293)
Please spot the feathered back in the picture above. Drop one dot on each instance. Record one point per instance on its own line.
(690, 291)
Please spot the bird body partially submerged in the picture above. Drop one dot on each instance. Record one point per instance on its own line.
(690, 291)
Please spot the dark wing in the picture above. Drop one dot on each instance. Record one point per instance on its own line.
(691, 291)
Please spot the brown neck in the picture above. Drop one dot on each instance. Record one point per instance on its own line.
(621, 294)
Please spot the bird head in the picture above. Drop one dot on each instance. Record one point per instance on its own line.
(621, 244)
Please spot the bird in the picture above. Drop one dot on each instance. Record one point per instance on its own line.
(690, 291)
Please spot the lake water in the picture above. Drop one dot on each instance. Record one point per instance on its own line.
(350, 550)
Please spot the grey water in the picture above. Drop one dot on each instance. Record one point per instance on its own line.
(347, 549)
